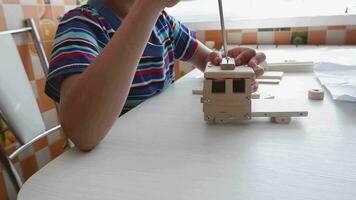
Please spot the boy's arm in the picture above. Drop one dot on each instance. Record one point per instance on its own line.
(91, 101)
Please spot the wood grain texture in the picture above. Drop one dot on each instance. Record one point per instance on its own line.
(215, 72)
(278, 108)
(163, 149)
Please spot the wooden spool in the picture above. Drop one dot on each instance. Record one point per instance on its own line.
(316, 94)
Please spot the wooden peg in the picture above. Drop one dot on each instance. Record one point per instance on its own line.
(197, 92)
(268, 81)
(227, 64)
(281, 120)
(272, 75)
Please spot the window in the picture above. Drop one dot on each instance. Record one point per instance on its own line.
(239, 85)
(199, 11)
(218, 86)
(262, 8)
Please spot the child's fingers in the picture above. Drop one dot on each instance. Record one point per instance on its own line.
(254, 63)
(257, 59)
(215, 58)
(170, 3)
(244, 57)
(254, 86)
(259, 71)
(233, 53)
(217, 61)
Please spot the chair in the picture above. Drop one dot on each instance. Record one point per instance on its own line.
(18, 106)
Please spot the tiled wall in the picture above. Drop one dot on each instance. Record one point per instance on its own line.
(45, 13)
(324, 35)
(321, 35)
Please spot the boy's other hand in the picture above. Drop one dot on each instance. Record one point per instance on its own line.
(165, 3)
(171, 3)
(247, 56)
(243, 56)
(161, 4)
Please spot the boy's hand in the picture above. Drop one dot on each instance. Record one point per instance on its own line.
(243, 56)
(165, 3)
(171, 3)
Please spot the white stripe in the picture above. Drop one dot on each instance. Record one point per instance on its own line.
(186, 47)
(111, 31)
(146, 69)
(164, 27)
(78, 39)
(148, 82)
(66, 66)
(81, 18)
(81, 29)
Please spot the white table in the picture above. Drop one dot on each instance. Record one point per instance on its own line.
(164, 150)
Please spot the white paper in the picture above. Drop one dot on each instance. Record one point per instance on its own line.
(339, 80)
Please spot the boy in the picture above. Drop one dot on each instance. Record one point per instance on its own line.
(110, 55)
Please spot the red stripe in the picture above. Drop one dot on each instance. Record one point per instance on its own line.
(83, 12)
(150, 72)
(173, 27)
(170, 54)
(71, 55)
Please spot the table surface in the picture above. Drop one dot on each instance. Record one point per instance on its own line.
(163, 149)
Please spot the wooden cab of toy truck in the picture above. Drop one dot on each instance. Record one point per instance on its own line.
(227, 94)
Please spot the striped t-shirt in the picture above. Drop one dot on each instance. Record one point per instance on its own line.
(84, 32)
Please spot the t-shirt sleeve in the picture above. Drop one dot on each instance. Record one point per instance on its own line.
(185, 40)
(75, 47)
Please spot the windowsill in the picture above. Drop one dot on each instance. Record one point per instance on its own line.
(231, 23)
(252, 14)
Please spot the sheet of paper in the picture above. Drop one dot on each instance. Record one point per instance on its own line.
(339, 80)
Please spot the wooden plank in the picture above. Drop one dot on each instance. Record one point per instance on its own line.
(281, 120)
(197, 92)
(258, 95)
(227, 64)
(291, 67)
(255, 95)
(300, 113)
(268, 81)
(272, 75)
(215, 72)
(278, 108)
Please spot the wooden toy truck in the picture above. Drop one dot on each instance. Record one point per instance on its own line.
(227, 97)
(227, 92)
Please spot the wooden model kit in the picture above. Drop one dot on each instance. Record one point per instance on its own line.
(227, 98)
(227, 93)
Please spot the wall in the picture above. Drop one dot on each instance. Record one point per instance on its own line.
(330, 35)
(319, 35)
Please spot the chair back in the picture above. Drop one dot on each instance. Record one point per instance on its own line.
(18, 104)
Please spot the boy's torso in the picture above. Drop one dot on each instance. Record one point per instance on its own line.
(155, 70)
